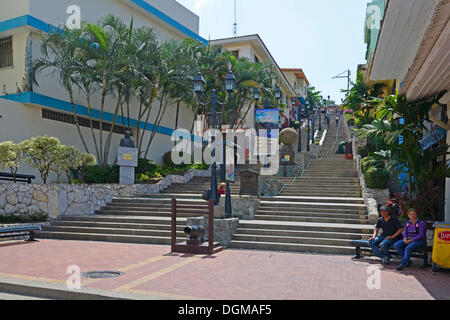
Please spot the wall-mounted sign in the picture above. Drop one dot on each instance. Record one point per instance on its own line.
(267, 118)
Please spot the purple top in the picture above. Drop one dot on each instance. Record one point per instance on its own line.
(411, 230)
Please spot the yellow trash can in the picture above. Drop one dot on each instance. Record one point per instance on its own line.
(441, 245)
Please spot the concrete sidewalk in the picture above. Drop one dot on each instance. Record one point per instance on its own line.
(152, 272)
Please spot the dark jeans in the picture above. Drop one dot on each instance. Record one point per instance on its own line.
(380, 246)
(405, 250)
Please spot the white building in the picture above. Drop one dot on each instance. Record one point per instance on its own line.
(253, 48)
(45, 111)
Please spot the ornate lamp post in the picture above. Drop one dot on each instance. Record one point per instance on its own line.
(308, 115)
(320, 113)
(199, 86)
(299, 111)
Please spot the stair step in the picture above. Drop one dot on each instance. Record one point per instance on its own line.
(111, 231)
(291, 247)
(293, 240)
(300, 233)
(309, 219)
(102, 237)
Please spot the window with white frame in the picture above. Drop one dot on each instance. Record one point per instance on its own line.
(6, 54)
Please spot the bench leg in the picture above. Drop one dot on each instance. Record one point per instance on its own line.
(425, 261)
(31, 238)
(357, 253)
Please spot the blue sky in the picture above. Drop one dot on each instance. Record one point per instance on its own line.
(323, 37)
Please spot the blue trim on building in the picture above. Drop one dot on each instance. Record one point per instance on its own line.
(28, 20)
(49, 102)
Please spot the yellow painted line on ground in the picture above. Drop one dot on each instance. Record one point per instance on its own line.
(18, 276)
(128, 268)
(165, 295)
(155, 275)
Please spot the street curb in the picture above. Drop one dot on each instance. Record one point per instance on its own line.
(58, 291)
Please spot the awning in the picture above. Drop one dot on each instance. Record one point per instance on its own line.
(302, 100)
(433, 137)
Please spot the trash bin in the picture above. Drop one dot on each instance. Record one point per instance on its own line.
(348, 150)
(441, 245)
(341, 148)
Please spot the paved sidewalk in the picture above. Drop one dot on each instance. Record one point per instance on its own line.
(230, 275)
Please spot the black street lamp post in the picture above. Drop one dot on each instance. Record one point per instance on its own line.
(230, 85)
(299, 111)
(308, 114)
(320, 114)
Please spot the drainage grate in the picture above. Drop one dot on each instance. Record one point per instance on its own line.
(101, 274)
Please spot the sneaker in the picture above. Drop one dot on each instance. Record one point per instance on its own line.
(400, 267)
(385, 260)
(409, 263)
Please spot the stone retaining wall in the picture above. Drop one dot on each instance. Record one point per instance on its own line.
(67, 199)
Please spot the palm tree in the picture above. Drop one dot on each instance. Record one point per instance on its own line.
(404, 151)
(61, 54)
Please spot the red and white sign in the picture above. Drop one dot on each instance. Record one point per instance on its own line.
(444, 236)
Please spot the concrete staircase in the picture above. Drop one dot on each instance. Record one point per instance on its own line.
(321, 211)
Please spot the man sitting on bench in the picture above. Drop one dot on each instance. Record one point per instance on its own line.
(414, 237)
(392, 232)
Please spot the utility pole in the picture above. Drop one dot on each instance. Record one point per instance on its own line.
(235, 19)
(341, 75)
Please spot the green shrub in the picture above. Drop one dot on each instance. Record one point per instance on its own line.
(97, 174)
(367, 163)
(363, 151)
(11, 218)
(377, 178)
(167, 160)
(147, 167)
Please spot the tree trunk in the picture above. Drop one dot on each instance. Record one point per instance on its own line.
(108, 140)
(75, 117)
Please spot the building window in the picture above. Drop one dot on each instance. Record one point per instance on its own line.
(235, 53)
(295, 85)
(6, 53)
(256, 59)
(83, 122)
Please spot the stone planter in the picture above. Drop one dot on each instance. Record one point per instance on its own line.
(67, 199)
(224, 229)
(242, 207)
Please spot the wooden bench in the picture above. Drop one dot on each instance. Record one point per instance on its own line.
(421, 253)
(8, 232)
(19, 177)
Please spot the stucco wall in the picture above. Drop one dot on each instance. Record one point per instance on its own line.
(54, 12)
(11, 77)
(13, 9)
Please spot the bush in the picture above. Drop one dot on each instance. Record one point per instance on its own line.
(363, 151)
(43, 154)
(167, 160)
(96, 174)
(11, 218)
(367, 163)
(377, 178)
(10, 156)
(146, 166)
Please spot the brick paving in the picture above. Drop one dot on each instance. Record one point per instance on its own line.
(229, 275)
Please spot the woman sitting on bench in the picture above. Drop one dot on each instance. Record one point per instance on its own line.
(414, 237)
